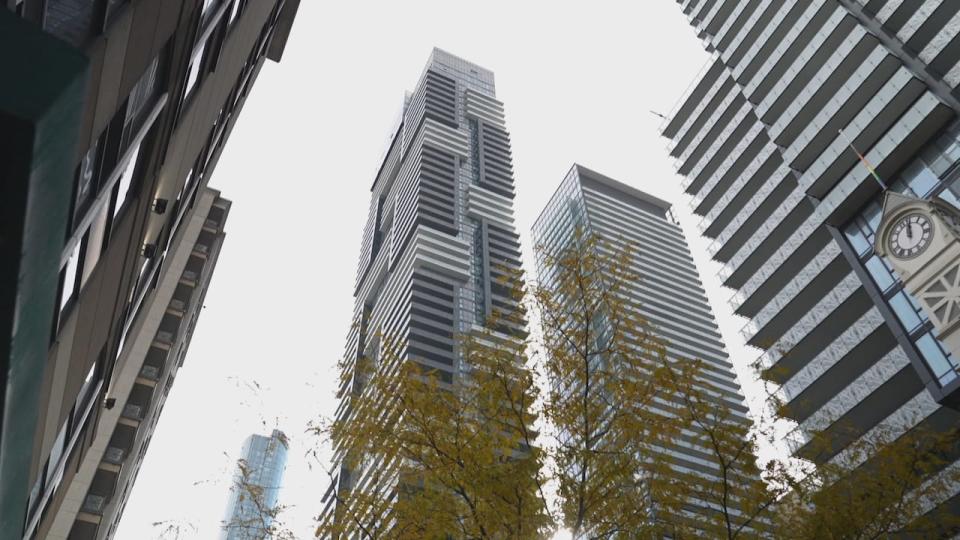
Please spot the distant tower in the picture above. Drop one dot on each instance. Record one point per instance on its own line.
(265, 459)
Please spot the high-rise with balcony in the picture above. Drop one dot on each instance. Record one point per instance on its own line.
(668, 294)
(113, 115)
(439, 240)
(256, 488)
(765, 140)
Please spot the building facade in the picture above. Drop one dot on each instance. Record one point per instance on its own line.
(156, 87)
(144, 373)
(766, 141)
(264, 460)
(439, 239)
(668, 294)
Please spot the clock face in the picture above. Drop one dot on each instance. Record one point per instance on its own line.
(910, 236)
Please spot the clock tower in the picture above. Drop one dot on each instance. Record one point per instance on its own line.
(921, 241)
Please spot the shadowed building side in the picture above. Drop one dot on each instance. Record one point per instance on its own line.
(119, 196)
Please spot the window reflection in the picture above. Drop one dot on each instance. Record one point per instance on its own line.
(70, 277)
(126, 179)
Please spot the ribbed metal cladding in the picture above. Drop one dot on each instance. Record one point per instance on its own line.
(668, 294)
(439, 240)
(778, 188)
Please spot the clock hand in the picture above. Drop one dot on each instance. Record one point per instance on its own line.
(910, 232)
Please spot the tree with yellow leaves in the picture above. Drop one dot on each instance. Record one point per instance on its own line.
(444, 459)
(464, 459)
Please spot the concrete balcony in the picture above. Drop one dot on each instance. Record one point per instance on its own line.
(710, 93)
(763, 170)
(799, 296)
(821, 325)
(98, 497)
(763, 201)
(747, 36)
(856, 362)
(201, 250)
(190, 278)
(797, 378)
(85, 527)
(838, 33)
(120, 445)
(864, 131)
(832, 105)
(138, 405)
(211, 226)
(711, 20)
(728, 115)
(733, 22)
(807, 28)
(754, 148)
(776, 31)
(769, 237)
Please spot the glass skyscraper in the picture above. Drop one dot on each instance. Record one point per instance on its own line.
(668, 294)
(765, 139)
(256, 488)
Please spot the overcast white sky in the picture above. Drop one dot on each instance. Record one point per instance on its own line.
(578, 80)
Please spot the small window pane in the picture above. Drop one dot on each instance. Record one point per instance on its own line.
(872, 216)
(194, 74)
(949, 196)
(234, 10)
(86, 177)
(70, 276)
(126, 179)
(880, 273)
(920, 178)
(95, 239)
(856, 239)
(941, 366)
(905, 312)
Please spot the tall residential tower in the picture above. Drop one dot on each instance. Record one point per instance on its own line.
(439, 235)
(766, 142)
(668, 294)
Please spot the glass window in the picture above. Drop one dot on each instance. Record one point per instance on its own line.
(872, 216)
(942, 366)
(879, 272)
(56, 453)
(70, 276)
(235, 10)
(207, 9)
(126, 179)
(950, 197)
(921, 179)
(141, 100)
(857, 239)
(905, 312)
(96, 236)
(194, 73)
(86, 181)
